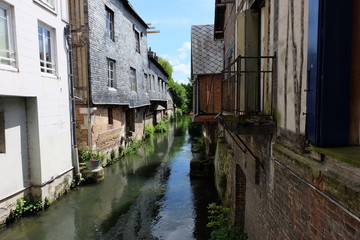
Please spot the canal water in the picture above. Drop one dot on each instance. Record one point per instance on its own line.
(148, 195)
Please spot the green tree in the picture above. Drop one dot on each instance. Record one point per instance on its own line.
(182, 92)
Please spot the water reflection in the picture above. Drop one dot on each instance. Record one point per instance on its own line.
(145, 196)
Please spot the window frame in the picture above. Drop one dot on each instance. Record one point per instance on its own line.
(146, 82)
(110, 31)
(53, 59)
(111, 81)
(64, 9)
(137, 41)
(10, 39)
(133, 80)
(52, 6)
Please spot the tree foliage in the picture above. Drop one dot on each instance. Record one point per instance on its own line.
(182, 92)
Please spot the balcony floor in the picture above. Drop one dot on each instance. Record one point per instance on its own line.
(248, 124)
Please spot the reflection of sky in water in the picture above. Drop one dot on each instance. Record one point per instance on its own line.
(177, 211)
(145, 196)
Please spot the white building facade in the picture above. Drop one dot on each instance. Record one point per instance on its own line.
(35, 134)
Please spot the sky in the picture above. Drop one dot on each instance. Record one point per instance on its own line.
(173, 18)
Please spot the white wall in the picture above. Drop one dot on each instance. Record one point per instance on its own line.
(14, 169)
(51, 94)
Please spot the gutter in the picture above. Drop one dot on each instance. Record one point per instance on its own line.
(74, 149)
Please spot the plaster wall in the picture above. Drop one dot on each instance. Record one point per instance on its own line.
(15, 170)
(51, 92)
(292, 22)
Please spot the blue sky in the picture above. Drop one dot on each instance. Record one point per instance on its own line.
(174, 19)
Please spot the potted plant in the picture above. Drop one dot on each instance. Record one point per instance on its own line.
(198, 150)
(94, 161)
(90, 157)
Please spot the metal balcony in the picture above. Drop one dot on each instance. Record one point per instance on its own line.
(247, 86)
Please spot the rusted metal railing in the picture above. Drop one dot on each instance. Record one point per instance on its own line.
(247, 86)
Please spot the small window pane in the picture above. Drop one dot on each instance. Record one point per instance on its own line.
(111, 72)
(7, 55)
(137, 41)
(47, 64)
(133, 81)
(110, 23)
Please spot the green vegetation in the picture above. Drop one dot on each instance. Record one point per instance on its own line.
(198, 145)
(133, 146)
(222, 228)
(161, 127)
(88, 153)
(25, 207)
(195, 129)
(182, 92)
(149, 131)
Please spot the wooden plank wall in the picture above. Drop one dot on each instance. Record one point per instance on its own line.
(210, 94)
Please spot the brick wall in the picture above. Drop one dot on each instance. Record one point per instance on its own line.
(106, 136)
(287, 197)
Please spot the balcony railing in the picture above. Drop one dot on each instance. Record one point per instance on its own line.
(7, 57)
(247, 86)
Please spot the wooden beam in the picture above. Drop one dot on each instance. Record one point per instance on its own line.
(151, 27)
(153, 32)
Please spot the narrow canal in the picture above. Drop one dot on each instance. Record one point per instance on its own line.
(148, 195)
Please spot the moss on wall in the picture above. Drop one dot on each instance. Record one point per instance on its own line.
(222, 162)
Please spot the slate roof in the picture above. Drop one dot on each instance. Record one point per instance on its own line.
(206, 52)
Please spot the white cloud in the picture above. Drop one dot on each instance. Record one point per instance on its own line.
(182, 55)
(182, 68)
(185, 47)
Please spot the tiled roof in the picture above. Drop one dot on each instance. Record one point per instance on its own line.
(206, 52)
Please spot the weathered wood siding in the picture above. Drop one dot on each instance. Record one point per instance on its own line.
(210, 94)
(79, 34)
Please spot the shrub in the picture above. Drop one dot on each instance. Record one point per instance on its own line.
(221, 226)
(195, 129)
(133, 146)
(179, 112)
(24, 207)
(161, 127)
(149, 131)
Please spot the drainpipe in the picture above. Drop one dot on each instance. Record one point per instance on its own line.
(74, 149)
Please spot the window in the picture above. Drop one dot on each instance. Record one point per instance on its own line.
(2, 133)
(110, 116)
(7, 54)
(111, 72)
(146, 82)
(110, 23)
(133, 79)
(137, 41)
(65, 10)
(150, 82)
(46, 42)
(50, 3)
(329, 73)
(154, 86)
